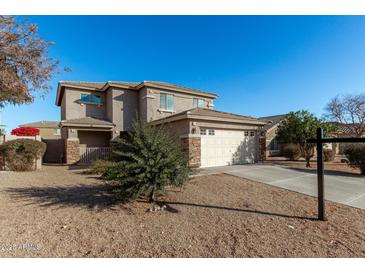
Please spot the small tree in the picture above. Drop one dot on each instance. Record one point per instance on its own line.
(348, 110)
(25, 67)
(25, 131)
(355, 153)
(21, 154)
(297, 128)
(149, 159)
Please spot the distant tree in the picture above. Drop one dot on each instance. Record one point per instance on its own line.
(297, 128)
(25, 67)
(348, 110)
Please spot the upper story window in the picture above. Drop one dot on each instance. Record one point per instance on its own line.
(198, 103)
(166, 101)
(90, 98)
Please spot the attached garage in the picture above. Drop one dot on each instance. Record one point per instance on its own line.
(216, 138)
(220, 147)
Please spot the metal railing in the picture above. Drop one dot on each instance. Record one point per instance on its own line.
(90, 154)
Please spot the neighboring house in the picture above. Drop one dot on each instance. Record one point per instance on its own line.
(50, 133)
(94, 113)
(272, 147)
(47, 129)
(342, 130)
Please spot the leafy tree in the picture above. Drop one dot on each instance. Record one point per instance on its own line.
(297, 128)
(20, 154)
(349, 111)
(25, 131)
(356, 155)
(25, 67)
(149, 159)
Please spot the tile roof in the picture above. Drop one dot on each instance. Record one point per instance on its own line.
(87, 121)
(275, 119)
(212, 113)
(102, 86)
(42, 124)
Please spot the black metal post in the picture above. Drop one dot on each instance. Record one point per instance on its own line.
(320, 176)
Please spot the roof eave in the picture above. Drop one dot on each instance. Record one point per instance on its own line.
(197, 92)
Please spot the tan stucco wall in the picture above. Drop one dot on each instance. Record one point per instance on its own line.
(94, 138)
(48, 133)
(75, 110)
(150, 103)
(124, 108)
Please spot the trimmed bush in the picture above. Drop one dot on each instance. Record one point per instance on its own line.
(329, 155)
(292, 152)
(149, 160)
(355, 153)
(21, 154)
(99, 167)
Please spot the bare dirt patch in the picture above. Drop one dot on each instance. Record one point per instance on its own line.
(60, 213)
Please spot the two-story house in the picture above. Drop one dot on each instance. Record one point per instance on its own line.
(94, 113)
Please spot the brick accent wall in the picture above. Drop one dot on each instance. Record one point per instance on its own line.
(191, 146)
(72, 149)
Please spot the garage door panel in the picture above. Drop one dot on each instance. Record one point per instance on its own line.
(227, 147)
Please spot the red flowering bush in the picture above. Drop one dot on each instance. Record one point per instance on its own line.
(25, 131)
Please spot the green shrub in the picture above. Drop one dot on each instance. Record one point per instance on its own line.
(149, 159)
(355, 153)
(21, 154)
(292, 152)
(99, 167)
(329, 155)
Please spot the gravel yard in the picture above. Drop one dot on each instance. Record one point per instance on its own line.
(56, 212)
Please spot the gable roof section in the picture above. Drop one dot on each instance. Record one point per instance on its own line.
(212, 115)
(274, 120)
(103, 86)
(42, 124)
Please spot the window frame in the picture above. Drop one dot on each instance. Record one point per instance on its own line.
(203, 131)
(86, 98)
(252, 134)
(211, 132)
(198, 103)
(164, 102)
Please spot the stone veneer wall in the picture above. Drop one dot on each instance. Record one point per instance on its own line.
(72, 149)
(262, 148)
(191, 146)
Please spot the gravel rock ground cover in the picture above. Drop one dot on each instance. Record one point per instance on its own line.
(56, 212)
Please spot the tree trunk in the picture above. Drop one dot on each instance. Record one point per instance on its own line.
(152, 197)
(362, 170)
(307, 159)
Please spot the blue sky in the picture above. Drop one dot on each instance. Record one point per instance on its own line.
(259, 65)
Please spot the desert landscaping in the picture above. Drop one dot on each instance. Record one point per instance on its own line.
(58, 212)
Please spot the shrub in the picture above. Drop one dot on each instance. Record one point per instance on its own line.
(292, 152)
(149, 159)
(329, 155)
(25, 131)
(21, 154)
(356, 156)
(99, 167)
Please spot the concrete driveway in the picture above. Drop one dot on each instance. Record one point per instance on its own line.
(345, 189)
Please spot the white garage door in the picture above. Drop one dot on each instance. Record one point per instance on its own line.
(227, 147)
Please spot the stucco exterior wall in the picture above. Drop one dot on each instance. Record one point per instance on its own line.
(49, 133)
(124, 108)
(75, 110)
(150, 103)
(94, 138)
